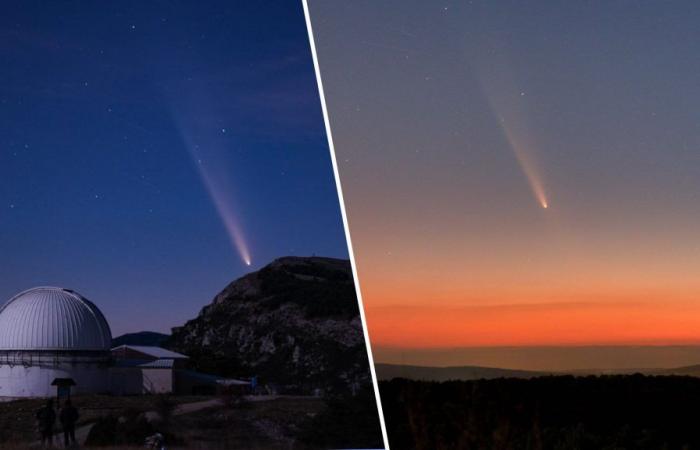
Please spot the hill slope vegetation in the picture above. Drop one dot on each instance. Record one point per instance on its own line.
(294, 324)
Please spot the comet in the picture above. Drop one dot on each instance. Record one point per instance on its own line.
(508, 104)
(221, 197)
(196, 114)
(209, 157)
(523, 154)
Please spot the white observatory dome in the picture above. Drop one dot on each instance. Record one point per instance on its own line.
(51, 318)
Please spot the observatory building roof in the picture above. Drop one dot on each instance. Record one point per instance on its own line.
(51, 318)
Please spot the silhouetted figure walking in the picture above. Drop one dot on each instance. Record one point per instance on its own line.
(46, 417)
(68, 417)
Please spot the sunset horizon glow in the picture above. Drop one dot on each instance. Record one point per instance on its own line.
(445, 134)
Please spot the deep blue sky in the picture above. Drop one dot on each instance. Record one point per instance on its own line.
(100, 107)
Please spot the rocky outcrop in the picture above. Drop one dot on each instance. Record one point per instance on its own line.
(294, 324)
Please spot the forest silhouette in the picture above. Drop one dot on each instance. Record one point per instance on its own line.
(542, 413)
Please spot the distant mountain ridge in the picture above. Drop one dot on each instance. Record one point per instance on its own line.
(426, 373)
(148, 338)
(559, 358)
(294, 323)
(691, 371)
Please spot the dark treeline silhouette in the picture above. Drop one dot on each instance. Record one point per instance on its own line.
(552, 412)
(348, 421)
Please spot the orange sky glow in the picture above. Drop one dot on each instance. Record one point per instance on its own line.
(513, 183)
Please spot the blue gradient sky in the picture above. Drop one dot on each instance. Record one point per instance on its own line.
(100, 107)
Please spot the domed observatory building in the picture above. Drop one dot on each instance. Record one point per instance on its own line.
(49, 334)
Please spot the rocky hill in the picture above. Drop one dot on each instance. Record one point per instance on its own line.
(294, 324)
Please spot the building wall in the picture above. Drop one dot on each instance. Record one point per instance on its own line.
(125, 381)
(191, 382)
(136, 380)
(158, 381)
(35, 381)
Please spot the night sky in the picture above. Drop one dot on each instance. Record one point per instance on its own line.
(519, 173)
(142, 144)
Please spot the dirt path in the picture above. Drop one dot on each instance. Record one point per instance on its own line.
(81, 433)
(187, 408)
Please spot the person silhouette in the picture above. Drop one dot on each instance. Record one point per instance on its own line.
(46, 417)
(68, 416)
